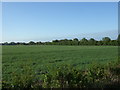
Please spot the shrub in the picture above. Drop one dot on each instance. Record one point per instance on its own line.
(24, 79)
(66, 76)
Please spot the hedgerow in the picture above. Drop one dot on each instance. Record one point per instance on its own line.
(66, 76)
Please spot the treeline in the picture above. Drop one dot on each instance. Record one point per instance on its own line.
(75, 41)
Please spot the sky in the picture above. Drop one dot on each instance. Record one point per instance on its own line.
(46, 21)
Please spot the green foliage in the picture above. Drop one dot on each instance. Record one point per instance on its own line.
(24, 79)
(107, 39)
(45, 66)
(31, 43)
(95, 77)
(92, 41)
(66, 76)
(38, 57)
(75, 41)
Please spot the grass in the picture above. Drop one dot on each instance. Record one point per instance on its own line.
(45, 59)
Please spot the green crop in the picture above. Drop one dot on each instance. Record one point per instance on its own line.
(42, 64)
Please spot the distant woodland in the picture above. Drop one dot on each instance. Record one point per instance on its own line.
(75, 41)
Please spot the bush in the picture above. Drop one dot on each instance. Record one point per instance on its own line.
(24, 79)
(66, 76)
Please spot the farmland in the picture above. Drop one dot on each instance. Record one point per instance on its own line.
(40, 57)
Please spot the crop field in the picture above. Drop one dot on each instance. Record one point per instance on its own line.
(40, 57)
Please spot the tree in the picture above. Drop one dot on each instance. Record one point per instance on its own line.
(31, 43)
(84, 41)
(39, 43)
(64, 42)
(114, 42)
(92, 41)
(6, 43)
(12, 43)
(75, 39)
(106, 40)
(100, 42)
(55, 41)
